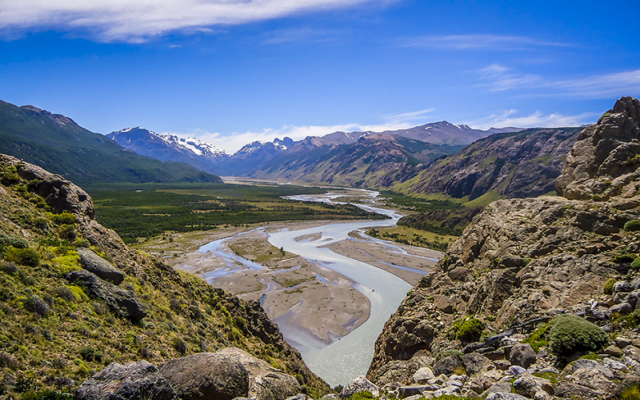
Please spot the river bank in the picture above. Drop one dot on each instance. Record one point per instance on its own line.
(329, 286)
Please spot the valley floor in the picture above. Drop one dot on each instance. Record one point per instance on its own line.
(291, 288)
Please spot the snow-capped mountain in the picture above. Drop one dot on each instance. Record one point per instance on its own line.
(200, 148)
(202, 155)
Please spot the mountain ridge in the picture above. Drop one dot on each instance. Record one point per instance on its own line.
(56, 142)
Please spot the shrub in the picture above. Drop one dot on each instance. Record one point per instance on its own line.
(239, 322)
(608, 287)
(36, 305)
(45, 395)
(66, 218)
(449, 353)
(635, 264)
(631, 392)
(9, 268)
(536, 339)
(180, 345)
(90, 354)
(22, 256)
(470, 330)
(18, 243)
(633, 225)
(570, 333)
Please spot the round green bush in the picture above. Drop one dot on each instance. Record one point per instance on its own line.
(608, 287)
(470, 330)
(570, 333)
(635, 264)
(633, 225)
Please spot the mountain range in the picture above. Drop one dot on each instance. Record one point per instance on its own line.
(57, 143)
(260, 159)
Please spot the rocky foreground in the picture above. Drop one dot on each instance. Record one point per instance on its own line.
(517, 271)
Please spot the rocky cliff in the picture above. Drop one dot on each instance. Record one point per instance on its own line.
(519, 265)
(75, 299)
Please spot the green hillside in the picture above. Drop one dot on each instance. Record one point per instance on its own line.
(61, 146)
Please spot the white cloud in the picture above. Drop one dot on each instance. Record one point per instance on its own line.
(233, 142)
(608, 85)
(138, 20)
(534, 120)
(477, 42)
(498, 78)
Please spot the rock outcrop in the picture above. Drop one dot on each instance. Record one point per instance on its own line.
(99, 266)
(122, 301)
(530, 260)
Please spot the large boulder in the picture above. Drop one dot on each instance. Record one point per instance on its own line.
(523, 355)
(206, 376)
(265, 382)
(133, 381)
(447, 366)
(99, 266)
(122, 301)
(475, 363)
(360, 384)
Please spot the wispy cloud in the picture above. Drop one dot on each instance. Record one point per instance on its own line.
(409, 116)
(498, 78)
(139, 20)
(478, 42)
(536, 119)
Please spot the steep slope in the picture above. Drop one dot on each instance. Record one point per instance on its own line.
(528, 260)
(360, 164)
(504, 165)
(144, 142)
(57, 143)
(74, 298)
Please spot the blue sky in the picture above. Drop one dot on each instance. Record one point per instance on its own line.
(234, 71)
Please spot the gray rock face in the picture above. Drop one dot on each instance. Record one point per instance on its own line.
(206, 376)
(360, 384)
(522, 355)
(99, 266)
(447, 366)
(601, 153)
(475, 363)
(133, 381)
(124, 302)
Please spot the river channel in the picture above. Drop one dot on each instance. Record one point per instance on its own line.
(350, 356)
